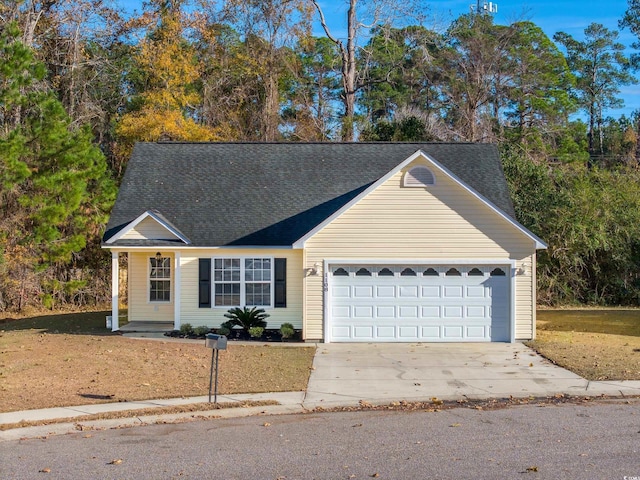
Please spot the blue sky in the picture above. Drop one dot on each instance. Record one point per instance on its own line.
(570, 16)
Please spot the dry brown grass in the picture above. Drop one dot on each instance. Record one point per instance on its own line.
(595, 344)
(68, 360)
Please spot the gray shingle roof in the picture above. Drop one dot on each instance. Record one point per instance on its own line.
(272, 194)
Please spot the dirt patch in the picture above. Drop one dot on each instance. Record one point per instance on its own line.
(71, 362)
(597, 345)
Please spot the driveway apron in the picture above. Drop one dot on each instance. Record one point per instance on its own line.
(344, 373)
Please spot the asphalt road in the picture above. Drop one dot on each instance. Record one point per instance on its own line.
(593, 441)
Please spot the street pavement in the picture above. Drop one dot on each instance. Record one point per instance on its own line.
(589, 440)
(348, 374)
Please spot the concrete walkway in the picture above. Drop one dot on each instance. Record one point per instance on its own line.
(345, 374)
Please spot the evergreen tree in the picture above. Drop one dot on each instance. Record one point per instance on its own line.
(54, 188)
(600, 68)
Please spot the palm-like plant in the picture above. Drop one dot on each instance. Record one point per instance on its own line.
(247, 318)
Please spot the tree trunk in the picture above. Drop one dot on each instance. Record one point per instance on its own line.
(348, 69)
(272, 104)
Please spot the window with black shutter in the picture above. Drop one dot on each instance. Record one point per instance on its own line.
(280, 282)
(204, 283)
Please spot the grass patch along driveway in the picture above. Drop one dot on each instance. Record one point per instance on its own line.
(595, 344)
(71, 359)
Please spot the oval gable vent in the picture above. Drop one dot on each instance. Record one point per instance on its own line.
(419, 177)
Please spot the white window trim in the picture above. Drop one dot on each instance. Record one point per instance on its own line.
(170, 280)
(243, 292)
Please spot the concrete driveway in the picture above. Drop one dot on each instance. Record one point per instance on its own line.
(380, 373)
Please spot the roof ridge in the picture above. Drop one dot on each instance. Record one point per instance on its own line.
(252, 142)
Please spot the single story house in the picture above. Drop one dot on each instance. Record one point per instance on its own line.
(349, 242)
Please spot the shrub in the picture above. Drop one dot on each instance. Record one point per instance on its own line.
(201, 331)
(225, 328)
(256, 332)
(186, 329)
(287, 330)
(247, 318)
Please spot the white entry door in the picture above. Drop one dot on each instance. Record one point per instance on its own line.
(408, 303)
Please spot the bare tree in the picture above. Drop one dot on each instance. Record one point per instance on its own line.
(375, 13)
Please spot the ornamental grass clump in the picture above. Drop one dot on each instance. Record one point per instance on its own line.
(287, 331)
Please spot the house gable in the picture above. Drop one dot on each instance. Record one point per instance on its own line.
(420, 161)
(149, 226)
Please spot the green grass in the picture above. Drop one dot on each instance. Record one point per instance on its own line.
(89, 323)
(612, 322)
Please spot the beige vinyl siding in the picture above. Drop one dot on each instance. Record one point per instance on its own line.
(148, 228)
(443, 221)
(214, 316)
(525, 299)
(140, 308)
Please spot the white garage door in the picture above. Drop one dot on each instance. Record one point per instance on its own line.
(449, 303)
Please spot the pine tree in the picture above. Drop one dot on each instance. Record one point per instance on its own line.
(55, 191)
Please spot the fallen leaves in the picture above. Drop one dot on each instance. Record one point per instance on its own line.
(116, 461)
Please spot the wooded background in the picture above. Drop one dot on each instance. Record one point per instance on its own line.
(81, 81)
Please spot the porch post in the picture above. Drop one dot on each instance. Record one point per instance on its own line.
(114, 291)
(177, 281)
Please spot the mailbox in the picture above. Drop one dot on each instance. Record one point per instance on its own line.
(218, 342)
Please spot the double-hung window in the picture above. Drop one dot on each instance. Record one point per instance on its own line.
(242, 282)
(160, 279)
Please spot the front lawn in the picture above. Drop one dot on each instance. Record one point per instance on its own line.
(72, 359)
(595, 344)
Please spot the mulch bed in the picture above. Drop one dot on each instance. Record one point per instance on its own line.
(269, 335)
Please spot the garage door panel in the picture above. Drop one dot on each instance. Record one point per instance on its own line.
(385, 291)
(451, 332)
(385, 311)
(476, 291)
(452, 291)
(363, 291)
(386, 332)
(476, 312)
(431, 311)
(430, 333)
(408, 331)
(408, 291)
(341, 333)
(452, 311)
(405, 311)
(341, 311)
(420, 307)
(476, 332)
(341, 291)
(363, 332)
(431, 291)
(363, 311)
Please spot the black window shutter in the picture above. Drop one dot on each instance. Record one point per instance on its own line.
(204, 282)
(280, 276)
